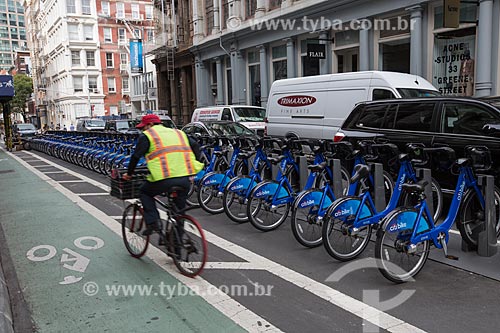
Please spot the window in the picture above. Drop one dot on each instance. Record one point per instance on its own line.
(88, 32)
(254, 77)
(120, 10)
(151, 35)
(92, 83)
(279, 62)
(12, 19)
(75, 58)
(107, 35)
(372, 116)
(90, 58)
(70, 6)
(122, 36)
(86, 7)
(20, 20)
(310, 66)
(105, 7)
(125, 84)
(113, 110)
(410, 117)
(225, 13)
(137, 33)
(135, 11)
(274, 4)
(109, 60)
(466, 119)
(123, 58)
(73, 32)
(226, 115)
(149, 12)
(209, 10)
(111, 84)
(77, 83)
(13, 33)
(251, 7)
(379, 94)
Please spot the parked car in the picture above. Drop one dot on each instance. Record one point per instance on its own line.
(121, 125)
(250, 116)
(24, 131)
(217, 128)
(435, 122)
(90, 125)
(165, 120)
(315, 107)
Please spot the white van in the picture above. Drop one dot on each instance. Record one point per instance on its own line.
(316, 106)
(250, 116)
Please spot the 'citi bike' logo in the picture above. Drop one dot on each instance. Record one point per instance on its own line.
(342, 212)
(401, 182)
(307, 203)
(396, 226)
(261, 193)
(237, 187)
(461, 191)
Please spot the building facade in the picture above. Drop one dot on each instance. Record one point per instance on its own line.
(242, 46)
(12, 31)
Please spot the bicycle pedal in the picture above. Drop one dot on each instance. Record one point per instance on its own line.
(449, 256)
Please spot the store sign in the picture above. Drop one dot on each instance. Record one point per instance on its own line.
(451, 13)
(6, 86)
(453, 66)
(136, 65)
(316, 51)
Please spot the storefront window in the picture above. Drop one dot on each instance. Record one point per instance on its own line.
(279, 62)
(254, 77)
(347, 57)
(394, 45)
(454, 63)
(309, 66)
(468, 14)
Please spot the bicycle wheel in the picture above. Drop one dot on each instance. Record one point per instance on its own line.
(339, 238)
(411, 200)
(306, 226)
(191, 254)
(472, 217)
(132, 226)
(234, 199)
(192, 199)
(395, 261)
(209, 197)
(325, 177)
(262, 213)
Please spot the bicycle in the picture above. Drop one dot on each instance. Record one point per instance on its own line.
(408, 232)
(180, 234)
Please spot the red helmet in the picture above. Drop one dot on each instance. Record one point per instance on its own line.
(149, 119)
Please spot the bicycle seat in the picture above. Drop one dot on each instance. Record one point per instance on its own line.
(415, 188)
(219, 152)
(317, 167)
(463, 162)
(361, 172)
(244, 155)
(276, 160)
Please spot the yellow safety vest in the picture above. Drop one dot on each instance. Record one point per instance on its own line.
(169, 154)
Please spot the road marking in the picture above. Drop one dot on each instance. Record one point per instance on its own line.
(91, 194)
(333, 296)
(50, 172)
(70, 181)
(117, 217)
(221, 301)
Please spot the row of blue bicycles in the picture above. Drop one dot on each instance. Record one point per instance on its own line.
(239, 180)
(263, 181)
(100, 152)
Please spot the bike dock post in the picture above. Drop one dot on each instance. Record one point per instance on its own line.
(274, 167)
(379, 191)
(426, 175)
(487, 239)
(303, 171)
(335, 166)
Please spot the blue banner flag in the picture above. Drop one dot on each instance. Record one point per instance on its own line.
(136, 56)
(6, 86)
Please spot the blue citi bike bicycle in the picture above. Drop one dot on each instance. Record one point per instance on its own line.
(407, 233)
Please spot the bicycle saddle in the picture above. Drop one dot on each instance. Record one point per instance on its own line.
(276, 160)
(361, 172)
(317, 167)
(415, 188)
(463, 162)
(243, 155)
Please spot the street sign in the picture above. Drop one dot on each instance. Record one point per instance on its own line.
(316, 51)
(136, 55)
(6, 87)
(451, 18)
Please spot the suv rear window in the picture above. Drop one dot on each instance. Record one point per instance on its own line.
(372, 116)
(410, 116)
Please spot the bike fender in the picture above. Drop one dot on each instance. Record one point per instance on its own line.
(313, 199)
(268, 189)
(200, 175)
(406, 221)
(213, 179)
(349, 207)
(242, 184)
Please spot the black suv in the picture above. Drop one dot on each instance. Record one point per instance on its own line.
(437, 121)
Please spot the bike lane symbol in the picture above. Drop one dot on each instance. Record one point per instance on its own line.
(70, 259)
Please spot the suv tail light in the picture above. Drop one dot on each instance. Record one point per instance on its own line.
(265, 126)
(339, 136)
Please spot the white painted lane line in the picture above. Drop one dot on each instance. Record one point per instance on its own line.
(333, 296)
(221, 301)
(70, 181)
(43, 166)
(51, 172)
(90, 194)
(117, 217)
(231, 265)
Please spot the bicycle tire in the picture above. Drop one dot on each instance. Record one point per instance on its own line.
(343, 224)
(471, 221)
(192, 196)
(234, 204)
(131, 231)
(206, 196)
(255, 205)
(311, 224)
(408, 200)
(193, 241)
(385, 250)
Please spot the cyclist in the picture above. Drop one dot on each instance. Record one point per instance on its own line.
(171, 160)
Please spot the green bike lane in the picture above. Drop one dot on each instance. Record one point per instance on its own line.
(65, 259)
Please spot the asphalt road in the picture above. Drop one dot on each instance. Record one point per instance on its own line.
(297, 295)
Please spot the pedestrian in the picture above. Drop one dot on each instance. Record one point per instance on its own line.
(65, 129)
(58, 127)
(72, 127)
(51, 125)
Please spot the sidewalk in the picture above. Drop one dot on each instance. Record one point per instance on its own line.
(67, 261)
(5, 311)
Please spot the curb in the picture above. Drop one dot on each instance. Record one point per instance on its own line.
(5, 310)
